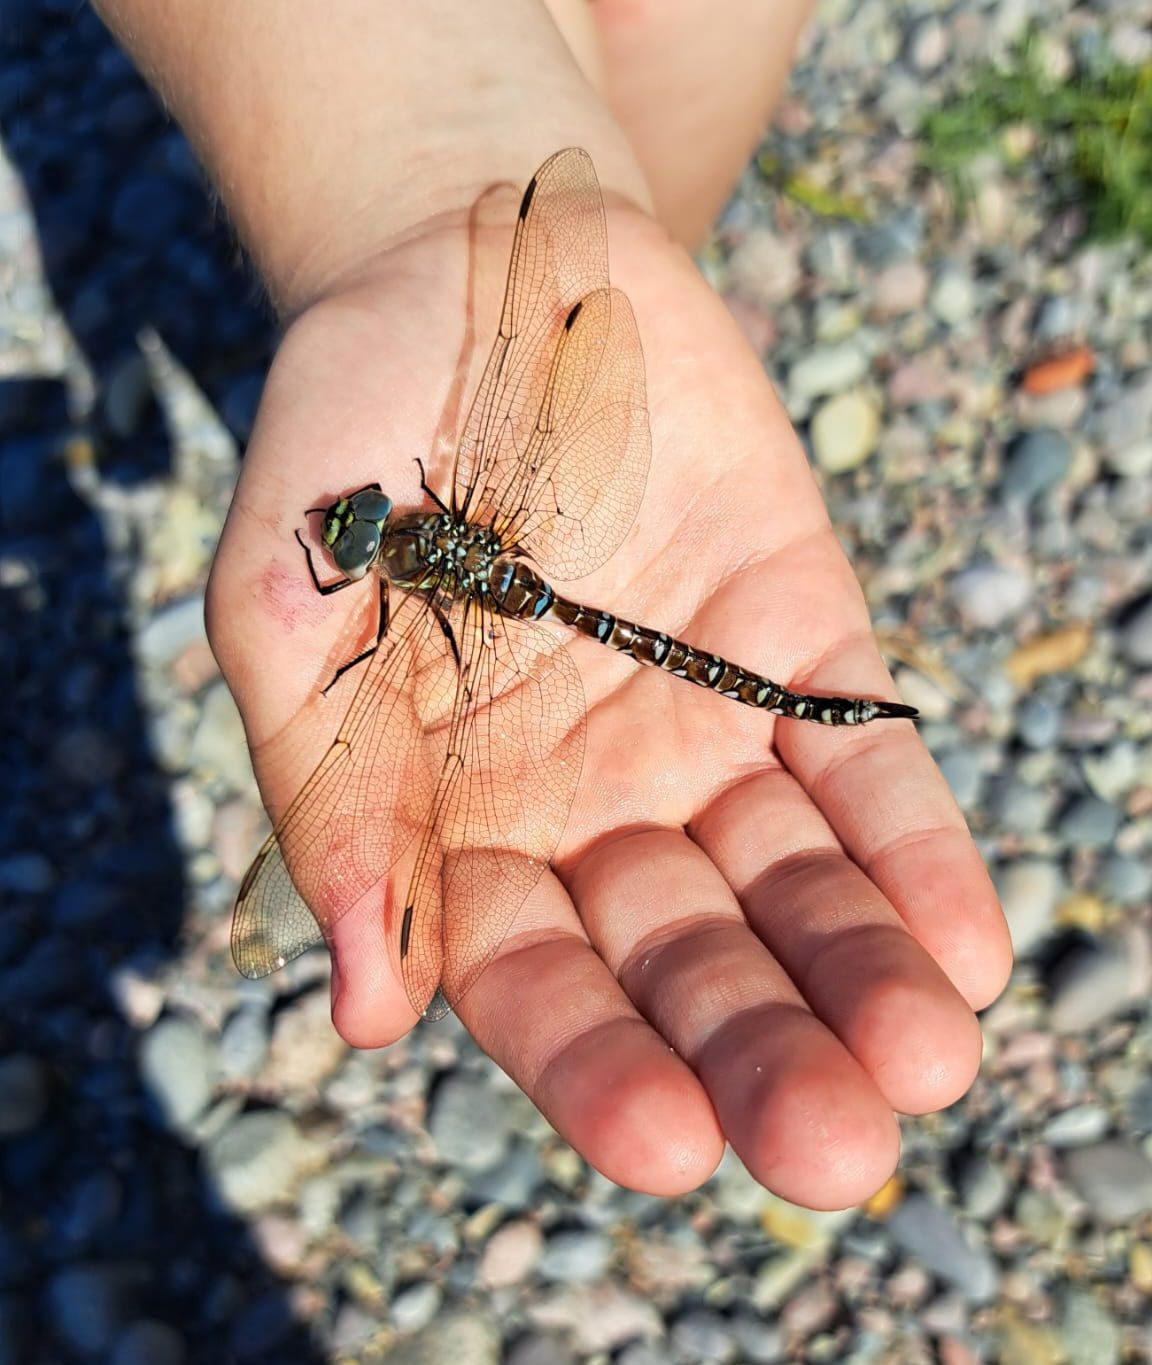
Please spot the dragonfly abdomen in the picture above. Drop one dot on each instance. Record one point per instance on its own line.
(683, 660)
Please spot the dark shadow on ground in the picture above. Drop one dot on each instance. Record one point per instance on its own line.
(106, 1216)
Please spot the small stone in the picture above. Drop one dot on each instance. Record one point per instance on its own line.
(452, 1338)
(1094, 981)
(1089, 822)
(1037, 462)
(928, 45)
(178, 1064)
(963, 770)
(305, 1048)
(1021, 1342)
(469, 1123)
(1131, 461)
(148, 1342)
(827, 369)
(1059, 372)
(1030, 891)
(219, 746)
(990, 595)
(1114, 773)
(1127, 417)
(86, 1306)
(765, 268)
(702, 1336)
(1113, 1178)
(1136, 636)
(1039, 721)
(260, 1159)
(1089, 1332)
(1043, 655)
(598, 1317)
(953, 297)
(930, 1234)
(1125, 880)
(510, 1255)
(1077, 1127)
(845, 431)
(899, 288)
(24, 1094)
(244, 1044)
(414, 1308)
(984, 1187)
(575, 1257)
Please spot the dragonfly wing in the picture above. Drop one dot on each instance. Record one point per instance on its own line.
(512, 763)
(360, 808)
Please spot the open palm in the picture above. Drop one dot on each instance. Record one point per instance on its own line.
(754, 930)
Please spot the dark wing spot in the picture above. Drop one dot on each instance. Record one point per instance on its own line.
(570, 320)
(526, 202)
(405, 931)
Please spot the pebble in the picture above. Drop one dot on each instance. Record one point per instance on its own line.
(1039, 722)
(219, 746)
(989, 595)
(928, 45)
(456, 1338)
(1136, 636)
(575, 1257)
(1113, 773)
(243, 1044)
(1089, 822)
(258, 1161)
(765, 268)
(414, 1308)
(702, 1336)
(1126, 880)
(984, 1187)
(1113, 1178)
(1094, 981)
(845, 430)
(1030, 890)
(953, 296)
(930, 1234)
(305, 1049)
(1078, 1126)
(1131, 461)
(1089, 1332)
(1126, 418)
(148, 1342)
(963, 770)
(827, 369)
(899, 288)
(86, 1306)
(510, 1255)
(24, 1094)
(469, 1123)
(1037, 462)
(178, 1065)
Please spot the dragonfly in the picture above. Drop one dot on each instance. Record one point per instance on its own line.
(463, 743)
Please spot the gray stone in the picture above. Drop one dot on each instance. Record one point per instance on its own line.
(990, 595)
(469, 1123)
(178, 1065)
(87, 1305)
(928, 1233)
(827, 369)
(171, 630)
(1039, 722)
(1089, 822)
(984, 1186)
(1030, 891)
(1126, 880)
(259, 1161)
(415, 1307)
(24, 1092)
(1077, 1127)
(575, 1257)
(1090, 1334)
(1136, 636)
(1092, 982)
(1113, 1178)
(243, 1044)
(953, 296)
(1037, 462)
(704, 1337)
(147, 1342)
(963, 770)
(219, 746)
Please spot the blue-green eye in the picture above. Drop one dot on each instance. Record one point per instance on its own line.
(371, 505)
(354, 552)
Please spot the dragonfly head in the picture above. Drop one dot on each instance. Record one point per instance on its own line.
(354, 530)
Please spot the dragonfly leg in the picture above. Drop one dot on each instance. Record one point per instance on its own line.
(439, 501)
(446, 627)
(324, 589)
(381, 631)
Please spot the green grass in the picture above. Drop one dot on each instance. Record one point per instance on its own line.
(1091, 137)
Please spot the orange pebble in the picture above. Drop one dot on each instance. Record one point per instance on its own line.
(1060, 372)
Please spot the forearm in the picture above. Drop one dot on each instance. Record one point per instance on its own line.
(333, 130)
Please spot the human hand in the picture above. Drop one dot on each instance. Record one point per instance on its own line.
(753, 930)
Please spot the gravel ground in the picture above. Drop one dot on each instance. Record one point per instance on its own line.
(195, 1169)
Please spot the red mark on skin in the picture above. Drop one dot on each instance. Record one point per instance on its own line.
(291, 598)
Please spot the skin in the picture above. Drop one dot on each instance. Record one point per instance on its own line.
(771, 934)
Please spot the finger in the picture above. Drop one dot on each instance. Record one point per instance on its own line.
(842, 943)
(893, 813)
(551, 1014)
(370, 1007)
(798, 1108)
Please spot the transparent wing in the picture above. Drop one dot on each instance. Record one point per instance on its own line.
(556, 448)
(514, 749)
(361, 807)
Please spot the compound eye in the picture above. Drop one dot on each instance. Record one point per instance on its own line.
(371, 505)
(354, 552)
